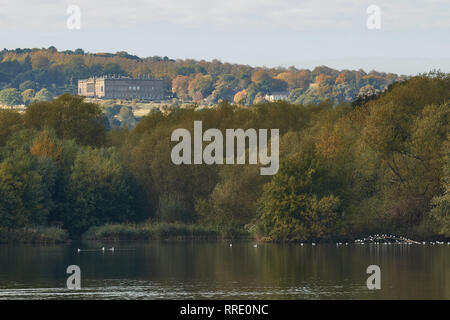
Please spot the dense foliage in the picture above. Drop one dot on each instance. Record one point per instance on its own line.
(376, 165)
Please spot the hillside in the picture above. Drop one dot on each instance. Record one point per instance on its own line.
(39, 74)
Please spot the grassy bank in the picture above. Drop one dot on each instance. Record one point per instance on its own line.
(41, 235)
(160, 231)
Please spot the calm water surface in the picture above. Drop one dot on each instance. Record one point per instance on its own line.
(214, 270)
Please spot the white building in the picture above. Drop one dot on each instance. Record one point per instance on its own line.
(277, 96)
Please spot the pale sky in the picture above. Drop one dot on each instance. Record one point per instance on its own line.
(414, 35)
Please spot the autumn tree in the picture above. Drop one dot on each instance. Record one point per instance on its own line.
(200, 84)
(180, 87)
(240, 96)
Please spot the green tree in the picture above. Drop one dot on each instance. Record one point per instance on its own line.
(440, 212)
(43, 95)
(24, 197)
(225, 88)
(126, 117)
(28, 96)
(28, 84)
(232, 203)
(10, 122)
(406, 129)
(296, 205)
(10, 97)
(100, 191)
(71, 118)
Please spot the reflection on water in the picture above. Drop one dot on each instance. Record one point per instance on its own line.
(214, 270)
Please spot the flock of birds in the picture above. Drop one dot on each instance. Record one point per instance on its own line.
(377, 239)
(388, 239)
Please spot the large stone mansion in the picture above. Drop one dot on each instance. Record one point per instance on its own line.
(122, 88)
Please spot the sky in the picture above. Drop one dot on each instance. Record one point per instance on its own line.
(413, 36)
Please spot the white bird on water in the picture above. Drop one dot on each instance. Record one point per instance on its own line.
(103, 249)
(78, 250)
(112, 249)
(231, 244)
(255, 246)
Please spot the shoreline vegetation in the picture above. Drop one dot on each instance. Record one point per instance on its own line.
(122, 232)
(160, 231)
(170, 232)
(380, 165)
(37, 235)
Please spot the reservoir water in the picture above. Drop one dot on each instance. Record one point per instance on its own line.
(216, 270)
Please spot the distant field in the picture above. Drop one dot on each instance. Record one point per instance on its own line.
(20, 108)
(140, 109)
